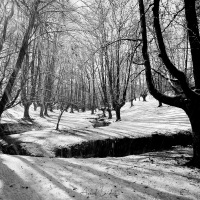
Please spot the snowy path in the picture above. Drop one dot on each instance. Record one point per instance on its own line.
(148, 176)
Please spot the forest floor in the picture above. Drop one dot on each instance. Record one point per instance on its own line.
(42, 175)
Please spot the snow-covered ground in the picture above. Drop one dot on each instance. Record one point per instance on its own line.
(143, 119)
(157, 175)
(148, 176)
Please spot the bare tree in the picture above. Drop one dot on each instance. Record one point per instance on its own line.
(24, 46)
(189, 97)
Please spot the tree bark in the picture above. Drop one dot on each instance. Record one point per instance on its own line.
(72, 108)
(109, 113)
(46, 110)
(50, 108)
(144, 97)
(83, 109)
(26, 111)
(193, 114)
(92, 110)
(118, 114)
(93, 88)
(35, 106)
(132, 103)
(196, 146)
(160, 104)
(194, 38)
(41, 110)
(59, 118)
(104, 112)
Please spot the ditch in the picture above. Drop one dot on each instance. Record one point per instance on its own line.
(111, 147)
(119, 147)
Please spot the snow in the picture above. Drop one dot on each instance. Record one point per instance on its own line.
(131, 177)
(143, 119)
(156, 175)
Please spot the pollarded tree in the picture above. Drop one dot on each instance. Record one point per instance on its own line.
(188, 98)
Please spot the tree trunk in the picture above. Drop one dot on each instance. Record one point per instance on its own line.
(59, 118)
(92, 110)
(72, 109)
(93, 88)
(109, 113)
(46, 110)
(42, 110)
(144, 97)
(160, 104)
(132, 103)
(193, 33)
(118, 115)
(195, 124)
(51, 108)
(104, 112)
(196, 146)
(35, 106)
(134, 97)
(26, 111)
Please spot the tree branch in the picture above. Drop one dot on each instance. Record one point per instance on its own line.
(163, 54)
(173, 101)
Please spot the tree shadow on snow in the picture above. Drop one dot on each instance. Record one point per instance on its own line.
(93, 177)
(13, 187)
